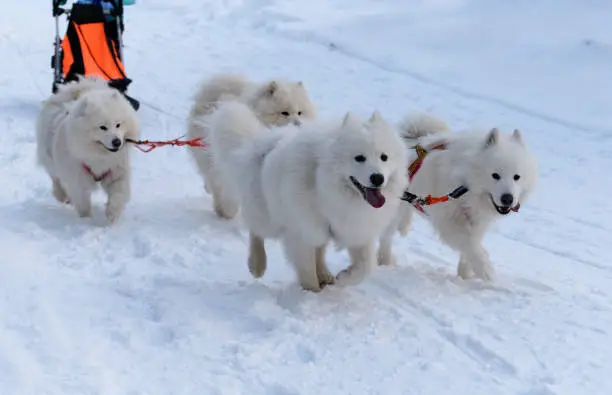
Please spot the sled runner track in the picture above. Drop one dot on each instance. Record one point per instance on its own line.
(579, 221)
(267, 20)
(565, 255)
(460, 91)
(472, 348)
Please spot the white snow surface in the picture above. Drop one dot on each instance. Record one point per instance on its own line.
(162, 302)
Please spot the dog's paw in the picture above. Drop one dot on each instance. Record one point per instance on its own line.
(112, 214)
(325, 278)
(464, 271)
(61, 197)
(59, 193)
(84, 212)
(257, 265)
(387, 259)
(485, 272)
(225, 211)
(311, 287)
(350, 277)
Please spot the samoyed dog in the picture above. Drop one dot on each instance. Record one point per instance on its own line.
(81, 135)
(337, 181)
(275, 103)
(498, 171)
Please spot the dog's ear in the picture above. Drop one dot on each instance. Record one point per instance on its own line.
(348, 118)
(516, 135)
(80, 107)
(300, 84)
(376, 117)
(492, 137)
(271, 88)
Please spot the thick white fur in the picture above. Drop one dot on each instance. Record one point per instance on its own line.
(275, 103)
(69, 134)
(294, 185)
(470, 159)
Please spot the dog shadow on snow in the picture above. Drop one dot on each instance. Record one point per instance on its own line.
(260, 308)
(249, 307)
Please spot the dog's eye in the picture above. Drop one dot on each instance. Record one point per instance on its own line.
(360, 158)
(384, 157)
(299, 113)
(103, 127)
(496, 176)
(517, 177)
(285, 113)
(117, 125)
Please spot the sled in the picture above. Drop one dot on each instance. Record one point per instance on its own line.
(92, 45)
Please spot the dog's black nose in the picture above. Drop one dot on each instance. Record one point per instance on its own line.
(507, 199)
(116, 142)
(377, 179)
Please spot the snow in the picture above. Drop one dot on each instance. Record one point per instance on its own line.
(162, 302)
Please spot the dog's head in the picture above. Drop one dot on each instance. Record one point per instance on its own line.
(102, 120)
(369, 158)
(506, 172)
(279, 103)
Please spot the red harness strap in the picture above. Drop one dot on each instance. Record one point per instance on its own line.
(96, 177)
(196, 142)
(421, 154)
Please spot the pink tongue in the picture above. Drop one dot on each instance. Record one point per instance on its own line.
(374, 197)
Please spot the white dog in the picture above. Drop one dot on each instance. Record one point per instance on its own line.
(498, 171)
(275, 103)
(339, 181)
(81, 136)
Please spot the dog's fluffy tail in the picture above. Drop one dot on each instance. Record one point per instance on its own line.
(416, 126)
(219, 88)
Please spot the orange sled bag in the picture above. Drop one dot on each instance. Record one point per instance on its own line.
(91, 46)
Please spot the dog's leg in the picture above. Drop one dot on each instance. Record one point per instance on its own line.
(204, 164)
(467, 240)
(118, 191)
(257, 256)
(224, 204)
(400, 223)
(363, 259)
(58, 192)
(225, 207)
(386, 257)
(302, 256)
(464, 270)
(483, 267)
(405, 220)
(475, 259)
(323, 274)
(80, 199)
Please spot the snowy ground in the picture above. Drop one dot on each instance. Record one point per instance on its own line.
(162, 303)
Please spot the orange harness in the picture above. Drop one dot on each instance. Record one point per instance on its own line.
(414, 167)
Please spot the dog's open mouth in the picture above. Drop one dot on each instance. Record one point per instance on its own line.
(370, 195)
(504, 210)
(114, 149)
